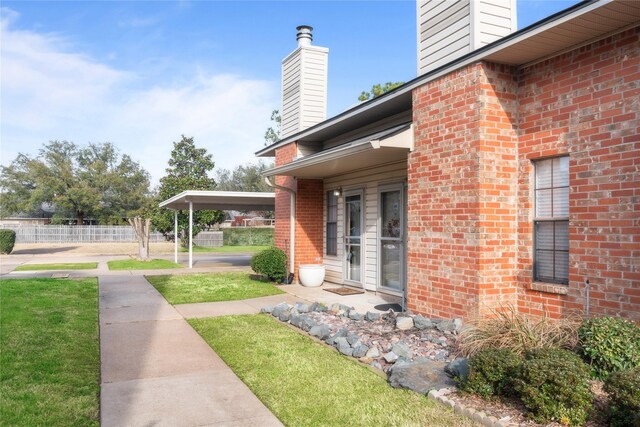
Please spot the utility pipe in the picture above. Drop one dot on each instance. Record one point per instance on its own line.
(292, 220)
(190, 234)
(175, 236)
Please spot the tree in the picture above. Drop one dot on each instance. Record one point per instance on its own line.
(378, 89)
(243, 178)
(93, 181)
(142, 227)
(189, 169)
(272, 134)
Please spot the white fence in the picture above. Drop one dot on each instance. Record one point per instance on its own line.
(77, 233)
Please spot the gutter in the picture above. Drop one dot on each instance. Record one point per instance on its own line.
(292, 220)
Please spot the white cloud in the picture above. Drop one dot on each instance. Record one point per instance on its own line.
(51, 92)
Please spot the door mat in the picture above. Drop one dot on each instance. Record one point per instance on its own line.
(344, 291)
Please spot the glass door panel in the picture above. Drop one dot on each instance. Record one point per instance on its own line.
(353, 237)
(391, 237)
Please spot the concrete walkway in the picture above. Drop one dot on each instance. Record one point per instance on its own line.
(156, 370)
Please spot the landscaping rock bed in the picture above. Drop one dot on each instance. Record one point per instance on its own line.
(382, 340)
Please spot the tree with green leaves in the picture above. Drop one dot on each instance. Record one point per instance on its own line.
(378, 89)
(243, 178)
(189, 169)
(272, 134)
(82, 182)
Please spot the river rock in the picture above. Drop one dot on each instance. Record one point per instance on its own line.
(402, 350)
(360, 351)
(404, 323)
(373, 353)
(390, 357)
(420, 376)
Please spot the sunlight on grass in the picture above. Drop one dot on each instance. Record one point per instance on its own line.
(62, 266)
(305, 383)
(134, 264)
(211, 287)
(50, 354)
(227, 249)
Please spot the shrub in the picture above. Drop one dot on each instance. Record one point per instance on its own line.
(554, 386)
(491, 372)
(624, 393)
(7, 241)
(272, 263)
(506, 328)
(610, 344)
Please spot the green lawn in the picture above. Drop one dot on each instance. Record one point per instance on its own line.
(227, 249)
(211, 287)
(134, 264)
(63, 266)
(50, 358)
(305, 383)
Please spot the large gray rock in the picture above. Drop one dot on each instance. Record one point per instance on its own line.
(450, 325)
(390, 357)
(371, 317)
(316, 306)
(402, 349)
(403, 323)
(306, 323)
(284, 316)
(353, 338)
(458, 368)
(280, 308)
(266, 309)
(354, 315)
(320, 331)
(360, 351)
(343, 346)
(373, 353)
(302, 307)
(420, 376)
(295, 320)
(342, 332)
(422, 322)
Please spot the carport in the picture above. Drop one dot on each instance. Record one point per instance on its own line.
(214, 200)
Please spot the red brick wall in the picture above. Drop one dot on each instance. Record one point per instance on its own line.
(308, 213)
(585, 103)
(477, 131)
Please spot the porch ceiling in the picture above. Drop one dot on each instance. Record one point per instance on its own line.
(221, 200)
(389, 146)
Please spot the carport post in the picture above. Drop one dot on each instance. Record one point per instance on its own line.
(175, 236)
(190, 234)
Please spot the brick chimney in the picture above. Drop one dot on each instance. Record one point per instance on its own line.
(304, 85)
(450, 29)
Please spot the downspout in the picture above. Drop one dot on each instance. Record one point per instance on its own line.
(292, 220)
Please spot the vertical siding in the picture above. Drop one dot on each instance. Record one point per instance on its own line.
(304, 89)
(369, 181)
(448, 29)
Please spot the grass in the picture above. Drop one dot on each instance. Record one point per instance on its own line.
(50, 354)
(305, 383)
(227, 249)
(211, 287)
(62, 266)
(134, 264)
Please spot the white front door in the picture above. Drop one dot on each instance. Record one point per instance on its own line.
(353, 249)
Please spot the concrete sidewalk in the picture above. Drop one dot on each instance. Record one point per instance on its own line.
(156, 370)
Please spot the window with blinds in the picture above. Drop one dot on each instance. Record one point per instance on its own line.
(332, 224)
(551, 223)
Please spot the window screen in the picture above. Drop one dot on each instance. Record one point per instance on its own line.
(332, 224)
(551, 224)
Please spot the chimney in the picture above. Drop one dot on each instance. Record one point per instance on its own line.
(450, 29)
(304, 85)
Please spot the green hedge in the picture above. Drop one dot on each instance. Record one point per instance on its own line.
(247, 236)
(271, 263)
(7, 241)
(623, 388)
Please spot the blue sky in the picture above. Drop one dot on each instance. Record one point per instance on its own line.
(141, 73)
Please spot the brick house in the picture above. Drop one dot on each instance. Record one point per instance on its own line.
(508, 171)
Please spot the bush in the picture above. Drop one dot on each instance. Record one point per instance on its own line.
(272, 263)
(491, 373)
(247, 236)
(624, 393)
(7, 241)
(554, 386)
(610, 344)
(507, 328)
